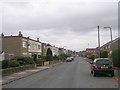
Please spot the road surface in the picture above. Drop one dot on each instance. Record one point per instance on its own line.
(74, 74)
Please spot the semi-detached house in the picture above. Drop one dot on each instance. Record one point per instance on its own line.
(20, 46)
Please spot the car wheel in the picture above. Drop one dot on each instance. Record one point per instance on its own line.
(112, 74)
(91, 72)
(94, 74)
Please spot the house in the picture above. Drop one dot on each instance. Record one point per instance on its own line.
(1, 51)
(111, 45)
(90, 50)
(115, 43)
(61, 51)
(82, 53)
(44, 49)
(20, 46)
(55, 51)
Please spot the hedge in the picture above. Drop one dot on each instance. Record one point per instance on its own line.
(116, 57)
(17, 61)
(24, 60)
(5, 64)
(103, 53)
(14, 63)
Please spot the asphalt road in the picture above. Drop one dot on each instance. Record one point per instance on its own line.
(74, 74)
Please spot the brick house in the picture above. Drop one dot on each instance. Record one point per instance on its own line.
(112, 45)
(90, 50)
(20, 46)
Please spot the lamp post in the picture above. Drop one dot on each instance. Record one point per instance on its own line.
(110, 35)
(110, 32)
(98, 41)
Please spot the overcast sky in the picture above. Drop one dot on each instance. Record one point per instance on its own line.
(71, 24)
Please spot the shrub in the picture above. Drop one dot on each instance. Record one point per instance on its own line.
(116, 57)
(63, 56)
(56, 57)
(5, 64)
(24, 60)
(34, 57)
(92, 56)
(28, 60)
(14, 63)
(103, 54)
(43, 58)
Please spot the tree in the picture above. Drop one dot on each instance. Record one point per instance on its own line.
(49, 55)
(116, 57)
(92, 56)
(103, 53)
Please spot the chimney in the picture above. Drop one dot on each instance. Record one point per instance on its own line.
(20, 34)
(2, 35)
(38, 39)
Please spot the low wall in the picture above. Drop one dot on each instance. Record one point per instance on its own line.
(46, 63)
(40, 63)
(9, 71)
(54, 61)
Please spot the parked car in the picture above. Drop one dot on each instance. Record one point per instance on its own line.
(72, 58)
(102, 65)
(69, 59)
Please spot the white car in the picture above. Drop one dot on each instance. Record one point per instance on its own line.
(69, 59)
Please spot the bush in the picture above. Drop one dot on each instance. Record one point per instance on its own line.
(43, 58)
(56, 57)
(92, 56)
(103, 54)
(24, 60)
(63, 56)
(116, 57)
(34, 57)
(14, 63)
(5, 64)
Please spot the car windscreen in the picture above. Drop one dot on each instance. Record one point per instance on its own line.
(103, 62)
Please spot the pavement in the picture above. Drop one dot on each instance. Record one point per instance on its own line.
(23, 74)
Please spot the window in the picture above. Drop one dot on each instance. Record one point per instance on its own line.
(35, 46)
(103, 62)
(24, 44)
(38, 46)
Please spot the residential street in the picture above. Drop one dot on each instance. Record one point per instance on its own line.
(75, 74)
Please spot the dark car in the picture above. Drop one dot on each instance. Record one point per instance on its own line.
(102, 65)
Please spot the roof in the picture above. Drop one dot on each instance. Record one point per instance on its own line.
(91, 49)
(20, 37)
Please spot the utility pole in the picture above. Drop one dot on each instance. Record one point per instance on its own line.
(99, 41)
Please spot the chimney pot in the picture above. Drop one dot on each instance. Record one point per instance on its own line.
(20, 34)
(38, 39)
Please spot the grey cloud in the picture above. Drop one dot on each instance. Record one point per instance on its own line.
(62, 21)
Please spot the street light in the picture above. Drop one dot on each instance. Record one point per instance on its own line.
(99, 40)
(110, 32)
